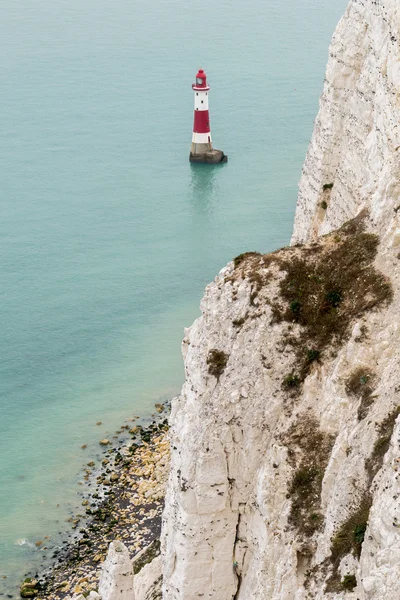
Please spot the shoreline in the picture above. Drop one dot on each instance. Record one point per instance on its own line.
(124, 501)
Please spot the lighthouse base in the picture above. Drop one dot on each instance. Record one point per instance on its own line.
(212, 157)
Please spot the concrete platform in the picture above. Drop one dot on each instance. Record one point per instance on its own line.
(212, 157)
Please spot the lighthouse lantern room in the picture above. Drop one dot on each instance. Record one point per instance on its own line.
(202, 149)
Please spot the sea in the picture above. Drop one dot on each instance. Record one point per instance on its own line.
(108, 236)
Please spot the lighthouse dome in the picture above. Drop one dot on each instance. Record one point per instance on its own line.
(201, 79)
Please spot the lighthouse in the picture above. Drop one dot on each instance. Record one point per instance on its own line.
(202, 149)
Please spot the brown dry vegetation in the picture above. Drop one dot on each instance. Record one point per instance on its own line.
(385, 431)
(243, 258)
(309, 451)
(348, 539)
(327, 291)
(327, 285)
(360, 385)
(350, 536)
(217, 361)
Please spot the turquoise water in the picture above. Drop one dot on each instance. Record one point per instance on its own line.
(107, 234)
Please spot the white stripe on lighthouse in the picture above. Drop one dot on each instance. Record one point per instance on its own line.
(201, 138)
(201, 101)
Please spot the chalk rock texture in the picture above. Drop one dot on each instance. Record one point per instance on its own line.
(356, 140)
(116, 580)
(243, 429)
(147, 583)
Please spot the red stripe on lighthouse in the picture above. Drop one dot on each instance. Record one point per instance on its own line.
(201, 121)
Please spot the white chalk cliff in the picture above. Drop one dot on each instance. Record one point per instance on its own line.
(285, 477)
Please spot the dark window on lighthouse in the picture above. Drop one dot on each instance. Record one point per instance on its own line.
(202, 101)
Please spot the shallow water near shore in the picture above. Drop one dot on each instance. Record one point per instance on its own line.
(108, 235)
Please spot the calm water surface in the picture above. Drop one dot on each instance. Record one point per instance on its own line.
(107, 234)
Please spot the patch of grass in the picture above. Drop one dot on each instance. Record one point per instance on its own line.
(350, 537)
(348, 540)
(385, 431)
(349, 582)
(242, 257)
(217, 361)
(326, 286)
(332, 286)
(295, 307)
(291, 381)
(360, 384)
(309, 451)
(327, 186)
(313, 355)
(303, 478)
(324, 205)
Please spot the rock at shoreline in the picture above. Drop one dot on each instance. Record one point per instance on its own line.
(29, 588)
(133, 483)
(104, 442)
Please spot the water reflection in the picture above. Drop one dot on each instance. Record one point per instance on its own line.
(203, 186)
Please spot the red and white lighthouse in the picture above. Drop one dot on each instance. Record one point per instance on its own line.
(202, 149)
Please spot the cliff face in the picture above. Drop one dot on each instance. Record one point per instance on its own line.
(285, 440)
(356, 139)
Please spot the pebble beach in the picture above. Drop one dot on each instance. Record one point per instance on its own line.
(125, 503)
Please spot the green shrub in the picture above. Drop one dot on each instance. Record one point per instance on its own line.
(359, 533)
(295, 307)
(349, 582)
(313, 355)
(334, 298)
(327, 186)
(324, 205)
(291, 381)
